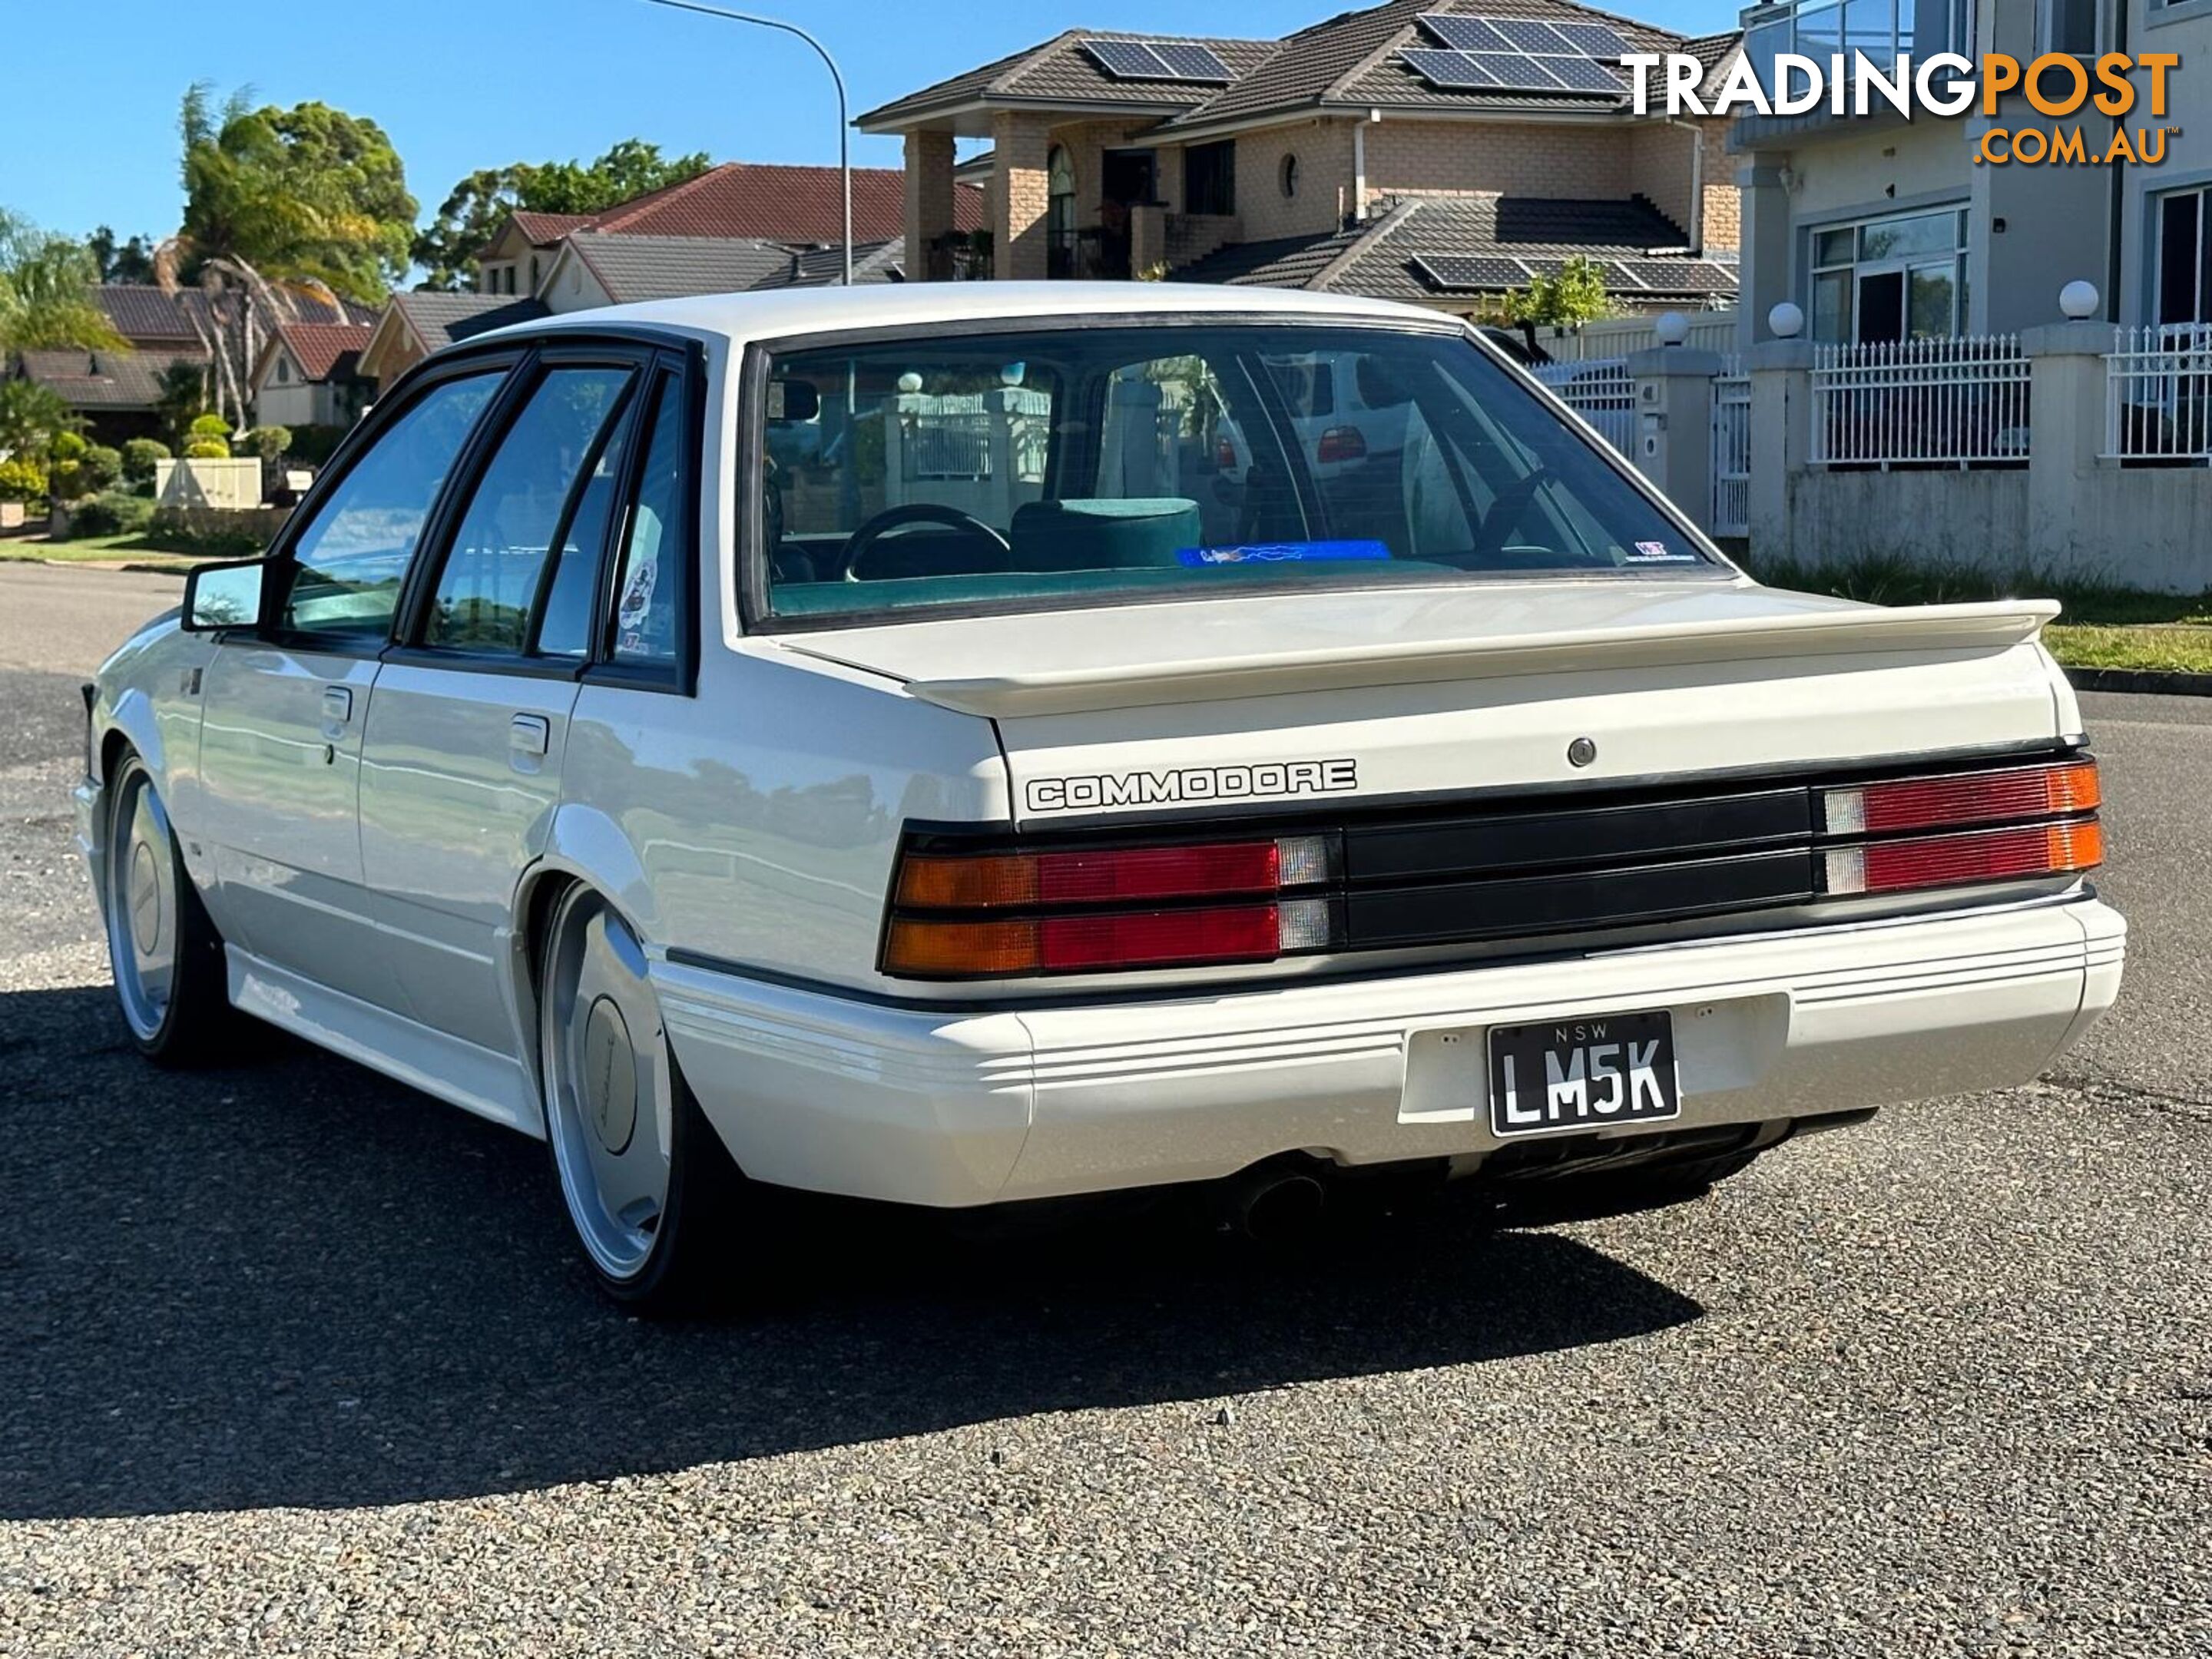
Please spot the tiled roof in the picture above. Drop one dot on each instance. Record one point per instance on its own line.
(142, 311)
(1377, 259)
(544, 229)
(442, 319)
(798, 205)
(876, 261)
(1058, 70)
(1284, 262)
(1525, 227)
(1353, 60)
(632, 268)
(103, 379)
(324, 349)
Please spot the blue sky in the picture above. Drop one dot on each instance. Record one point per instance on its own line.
(88, 132)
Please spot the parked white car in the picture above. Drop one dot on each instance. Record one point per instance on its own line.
(566, 761)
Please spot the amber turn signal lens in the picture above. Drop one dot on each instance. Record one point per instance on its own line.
(994, 881)
(958, 949)
(2074, 788)
(2078, 846)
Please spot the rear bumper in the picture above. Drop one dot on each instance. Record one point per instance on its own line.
(815, 1091)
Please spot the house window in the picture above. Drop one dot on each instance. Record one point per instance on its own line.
(1209, 177)
(1289, 175)
(283, 371)
(1902, 278)
(2185, 257)
(2069, 26)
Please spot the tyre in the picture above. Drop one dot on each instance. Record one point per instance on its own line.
(170, 981)
(652, 1195)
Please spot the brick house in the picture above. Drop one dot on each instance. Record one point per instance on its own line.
(1371, 153)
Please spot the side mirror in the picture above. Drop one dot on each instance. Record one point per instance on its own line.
(223, 596)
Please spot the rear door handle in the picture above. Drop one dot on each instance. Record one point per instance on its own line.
(530, 734)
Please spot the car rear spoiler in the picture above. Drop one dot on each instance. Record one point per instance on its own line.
(1990, 627)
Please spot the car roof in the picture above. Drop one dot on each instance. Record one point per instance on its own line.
(786, 312)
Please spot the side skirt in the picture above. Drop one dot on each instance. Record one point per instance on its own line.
(493, 1085)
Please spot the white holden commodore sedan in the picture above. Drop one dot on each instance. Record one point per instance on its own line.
(868, 742)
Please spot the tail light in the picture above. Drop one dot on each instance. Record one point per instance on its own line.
(965, 915)
(1891, 850)
(1342, 443)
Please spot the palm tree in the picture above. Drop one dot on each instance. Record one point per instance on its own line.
(46, 294)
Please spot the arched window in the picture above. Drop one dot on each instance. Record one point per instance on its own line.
(1060, 195)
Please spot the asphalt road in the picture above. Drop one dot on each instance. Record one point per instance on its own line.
(295, 1360)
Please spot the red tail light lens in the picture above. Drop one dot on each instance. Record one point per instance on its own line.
(1342, 443)
(1898, 866)
(2020, 791)
(1112, 908)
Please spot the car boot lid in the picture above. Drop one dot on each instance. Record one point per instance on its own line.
(1090, 661)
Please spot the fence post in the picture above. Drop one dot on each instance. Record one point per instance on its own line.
(1781, 374)
(896, 415)
(2066, 424)
(1674, 442)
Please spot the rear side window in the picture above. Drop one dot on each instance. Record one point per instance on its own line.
(351, 561)
(517, 534)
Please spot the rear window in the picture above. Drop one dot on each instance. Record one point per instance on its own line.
(1034, 468)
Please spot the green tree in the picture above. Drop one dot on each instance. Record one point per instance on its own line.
(121, 261)
(182, 398)
(30, 415)
(279, 206)
(1575, 296)
(46, 293)
(474, 210)
(309, 193)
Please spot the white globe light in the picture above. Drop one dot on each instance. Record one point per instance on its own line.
(2079, 300)
(909, 381)
(1786, 321)
(1672, 328)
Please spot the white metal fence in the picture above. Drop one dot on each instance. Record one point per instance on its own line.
(1602, 392)
(1920, 403)
(2158, 394)
(1730, 513)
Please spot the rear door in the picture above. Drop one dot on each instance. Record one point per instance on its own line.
(461, 764)
(280, 744)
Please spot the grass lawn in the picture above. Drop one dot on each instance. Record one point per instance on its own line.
(2103, 626)
(135, 548)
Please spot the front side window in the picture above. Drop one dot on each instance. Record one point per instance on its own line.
(503, 559)
(350, 562)
(1037, 468)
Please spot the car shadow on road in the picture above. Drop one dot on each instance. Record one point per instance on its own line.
(292, 1283)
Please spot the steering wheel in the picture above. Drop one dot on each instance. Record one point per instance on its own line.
(865, 538)
(1506, 514)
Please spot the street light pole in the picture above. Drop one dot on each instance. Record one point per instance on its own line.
(844, 122)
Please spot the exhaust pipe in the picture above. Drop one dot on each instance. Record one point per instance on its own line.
(1272, 1206)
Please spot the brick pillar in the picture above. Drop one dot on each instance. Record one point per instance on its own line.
(1674, 424)
(2067, 398)
(1781, 441)
(928, 197)
(1018, 205)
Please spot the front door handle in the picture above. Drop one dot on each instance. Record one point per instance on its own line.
(530, 734)
(338, 704)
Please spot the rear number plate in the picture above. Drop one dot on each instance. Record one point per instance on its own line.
(1583, 1074)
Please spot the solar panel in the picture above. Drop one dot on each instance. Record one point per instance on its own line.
(1469, 272)
(1582, 74)
(1158, 60)
(1683, 275)
(1593, 40)
(1452, 71)
(1516, 54)
(1528, 35)
(1465, 33)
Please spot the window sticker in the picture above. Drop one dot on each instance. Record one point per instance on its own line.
(1658, 553)
(1281, 553)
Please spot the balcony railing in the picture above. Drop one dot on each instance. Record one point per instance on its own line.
(1884, 30)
